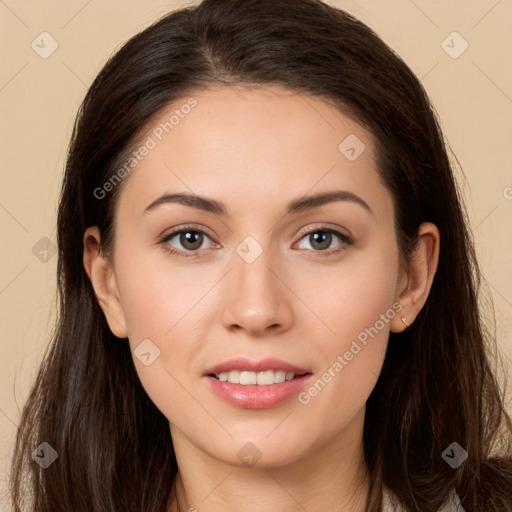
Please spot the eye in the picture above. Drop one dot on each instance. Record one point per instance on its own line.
(320, 238)
(190, 238)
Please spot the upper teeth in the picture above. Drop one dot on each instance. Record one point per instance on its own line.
(261, 378)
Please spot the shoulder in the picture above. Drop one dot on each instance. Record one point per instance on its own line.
(390, 503)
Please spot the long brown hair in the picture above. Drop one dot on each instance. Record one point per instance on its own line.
(115, 452)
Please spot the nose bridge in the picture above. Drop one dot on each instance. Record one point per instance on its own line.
(258, 298)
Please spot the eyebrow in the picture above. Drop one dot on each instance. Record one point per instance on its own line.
(296, 206)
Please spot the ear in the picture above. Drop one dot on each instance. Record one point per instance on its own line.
(103, 280)
(417, 278)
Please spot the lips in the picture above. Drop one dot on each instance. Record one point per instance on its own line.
(256, 396)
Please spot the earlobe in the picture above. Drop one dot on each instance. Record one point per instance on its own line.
(102, 276)
(421, 269)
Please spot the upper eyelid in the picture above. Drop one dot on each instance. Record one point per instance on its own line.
(326, 227)
(186, 227)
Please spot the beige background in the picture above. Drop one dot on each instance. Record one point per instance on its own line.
(39, 98)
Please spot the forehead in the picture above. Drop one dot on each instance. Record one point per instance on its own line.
(251, 146)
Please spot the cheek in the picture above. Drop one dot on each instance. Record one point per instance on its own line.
(352, 296)
(162, 303)
(356, 304)
(157, 294)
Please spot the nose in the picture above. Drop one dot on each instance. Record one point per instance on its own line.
(256, 298)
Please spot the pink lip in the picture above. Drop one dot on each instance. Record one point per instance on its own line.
(244, 364)
(257, 397)
(254, 396)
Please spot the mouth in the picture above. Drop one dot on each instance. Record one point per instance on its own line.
(250, 384)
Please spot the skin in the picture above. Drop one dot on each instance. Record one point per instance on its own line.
(256, 150)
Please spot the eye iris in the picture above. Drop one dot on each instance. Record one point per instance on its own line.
(324, 237)
(187, 237)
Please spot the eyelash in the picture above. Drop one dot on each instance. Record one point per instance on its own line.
(347, 241)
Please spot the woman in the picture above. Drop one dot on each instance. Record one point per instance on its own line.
(318, 345)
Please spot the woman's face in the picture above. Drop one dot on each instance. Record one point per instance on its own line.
(255, 278)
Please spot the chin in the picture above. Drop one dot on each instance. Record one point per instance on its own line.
(259, 453)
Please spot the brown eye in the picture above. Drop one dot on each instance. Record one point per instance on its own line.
(191, 240)
(321, 239)
(185, 240)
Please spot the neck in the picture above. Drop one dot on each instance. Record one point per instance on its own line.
(332, 476)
